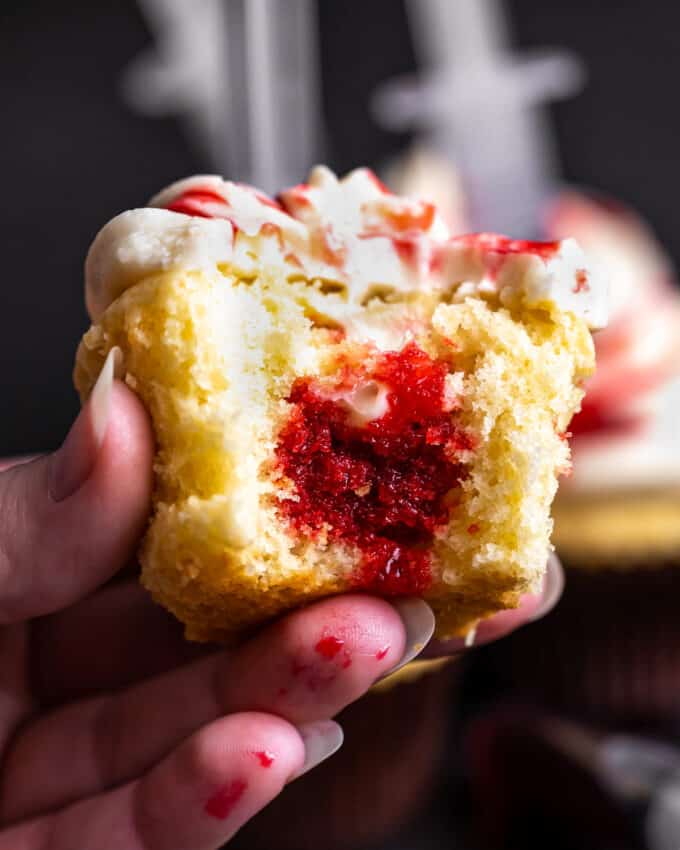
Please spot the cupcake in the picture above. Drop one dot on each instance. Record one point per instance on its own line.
(611, 649)
(344, 396)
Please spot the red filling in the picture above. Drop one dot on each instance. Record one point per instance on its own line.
(381, 486)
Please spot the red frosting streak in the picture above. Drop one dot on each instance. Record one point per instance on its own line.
(222, 803)
(496, 249)
(381, 487)
(581, 284)
(411, 216)
(329, 646)
(377, 182)
(193, 201)
(261, 196)
(381, 653)
(297, 196)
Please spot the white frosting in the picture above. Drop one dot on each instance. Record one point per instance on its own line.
(365, 401)
(350, 232)
(647, 458)
(638, 354)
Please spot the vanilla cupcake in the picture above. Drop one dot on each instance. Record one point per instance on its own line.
(344, 396)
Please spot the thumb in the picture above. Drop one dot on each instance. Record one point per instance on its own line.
(69, 520)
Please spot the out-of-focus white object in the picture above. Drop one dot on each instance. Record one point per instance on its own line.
(244, 74)
(424, 173)
(477, 103)
(648, 772)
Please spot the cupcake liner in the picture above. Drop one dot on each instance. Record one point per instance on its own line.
(377, 782)
(609, 651)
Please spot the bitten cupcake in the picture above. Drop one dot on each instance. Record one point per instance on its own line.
(344, 396)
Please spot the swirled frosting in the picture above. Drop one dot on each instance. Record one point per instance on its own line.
(626, 433)
(351, 231)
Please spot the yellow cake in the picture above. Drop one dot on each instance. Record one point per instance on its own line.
(344, 396)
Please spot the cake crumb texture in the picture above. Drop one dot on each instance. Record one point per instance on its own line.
(214, 357)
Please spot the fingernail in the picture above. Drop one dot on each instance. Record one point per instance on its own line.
(321, 740)
(418, 620)
(553, 584)
(70, 466)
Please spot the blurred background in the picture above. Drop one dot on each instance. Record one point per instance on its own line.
(536, 118)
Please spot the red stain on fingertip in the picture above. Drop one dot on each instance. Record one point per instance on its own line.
(329, 646)
(381, 653)
(222, 802)
(297, 667)
(346, 661)
(265, 758)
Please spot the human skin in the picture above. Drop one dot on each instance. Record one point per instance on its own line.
(116, 733)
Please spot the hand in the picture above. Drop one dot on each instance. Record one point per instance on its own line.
(115, 733)
(532, 607)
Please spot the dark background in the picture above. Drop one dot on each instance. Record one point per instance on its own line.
(74, 155)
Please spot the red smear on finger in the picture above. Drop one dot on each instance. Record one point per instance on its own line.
(329, 646)
(222, 802)
(381, 653)
(297, 668)
(265, 758)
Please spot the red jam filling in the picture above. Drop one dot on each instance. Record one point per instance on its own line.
(381, 486)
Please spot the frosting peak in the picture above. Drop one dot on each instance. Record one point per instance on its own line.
(350, 231)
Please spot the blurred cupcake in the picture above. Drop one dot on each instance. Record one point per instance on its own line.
(611, 648)
(620, 508)
(422, 172)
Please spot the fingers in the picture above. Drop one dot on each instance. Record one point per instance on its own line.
(198, 797)
(305, 668)
(532, 607)
(71, 519)
(135, 639)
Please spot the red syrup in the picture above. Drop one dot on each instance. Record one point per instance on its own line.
(381, 486)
